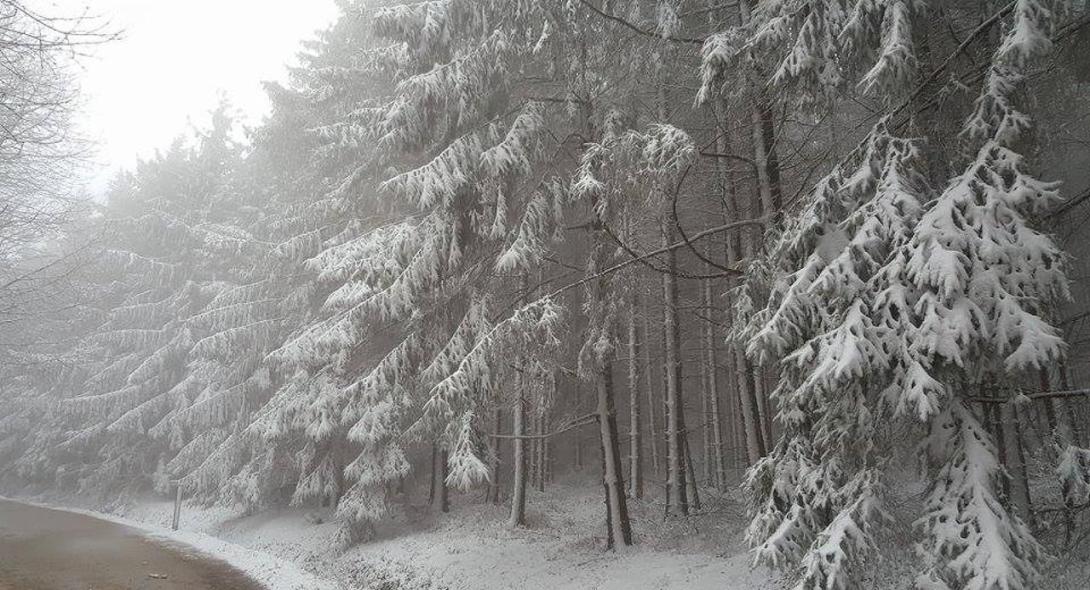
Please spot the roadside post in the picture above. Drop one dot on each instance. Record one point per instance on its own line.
(177, 505)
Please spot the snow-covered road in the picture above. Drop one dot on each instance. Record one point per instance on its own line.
(44, 549)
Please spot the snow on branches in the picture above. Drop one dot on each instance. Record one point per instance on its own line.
(889, 296)
(973, 540)
(827, 39)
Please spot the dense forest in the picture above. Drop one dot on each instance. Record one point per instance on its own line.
(824, 256)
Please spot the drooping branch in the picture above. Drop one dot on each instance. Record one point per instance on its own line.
(633, 27)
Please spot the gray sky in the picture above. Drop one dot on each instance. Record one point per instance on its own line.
(174, 59)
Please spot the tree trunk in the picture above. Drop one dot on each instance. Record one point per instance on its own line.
(728, 187)
(432, 480)
(764, 403)
(537, 445)
(675, 468)
(578, 453)
(1050, 410)
(717, 459)
(444, 497)
(635, 455)
(1069, 408)
(705, 422)
(694, 485)
(755, 443)
(652, 421)
(617, 524)
(547, 458)
(1016, 462)
(494, 487)
(518, 481)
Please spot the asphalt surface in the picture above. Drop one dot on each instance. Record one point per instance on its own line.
(42, 549)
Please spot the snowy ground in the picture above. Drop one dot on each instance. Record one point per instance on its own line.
(472, 548)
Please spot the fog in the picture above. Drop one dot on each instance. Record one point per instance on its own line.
(493, 294)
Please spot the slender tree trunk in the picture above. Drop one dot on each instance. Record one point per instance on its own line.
(770, 192)
(652, 422)
(547, 470)
(733, 253)
(541, 428)
(1050, 410)
(531, 447)
(547, 456)
(694, 485)
(764, 409)
(732, 408)
(675, 480)
(619, 530)
(667, 421)
(1069, 407)
(1016, 462)
(705, 424)
(444, 496)
(741, 444)
(720, 476)
(755, 443)
(518, 479)
(635, 455)
(578, 453)
(540, 450)
(768, 201)
(494, 486)
(617, 523)
(432, 480)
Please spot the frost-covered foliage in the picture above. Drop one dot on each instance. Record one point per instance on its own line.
(894, 299)
(830, 325)
(829, 43)
(419, 167)
(436, 229)
(163, 322)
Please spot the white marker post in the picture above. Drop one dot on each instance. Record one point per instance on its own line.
(177, 505)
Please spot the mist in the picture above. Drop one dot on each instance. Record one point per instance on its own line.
(517, 294)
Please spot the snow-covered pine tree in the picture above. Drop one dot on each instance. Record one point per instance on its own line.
(172, 243)
(464, 133)
(985, 280)
(328, 245)
(873, 278)
(816, 495)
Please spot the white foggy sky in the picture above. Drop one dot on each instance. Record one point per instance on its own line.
(174, 59)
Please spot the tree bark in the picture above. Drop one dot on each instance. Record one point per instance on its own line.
(1016, 462)
(675, 469)
(444, 496)
(755, 442)
(617, 523)
(719, 470)
(652, 421)
(694, 485)
(1069, 407)
(635, 454)
(431, 481)
(494, 486)
(705, 423)
(542, 427)
(518, 480)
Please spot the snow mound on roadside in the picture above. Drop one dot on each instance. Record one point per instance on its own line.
(272, 572)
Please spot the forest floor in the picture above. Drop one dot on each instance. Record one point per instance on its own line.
(471, 547)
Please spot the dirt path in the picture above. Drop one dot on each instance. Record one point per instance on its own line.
(42, 549)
